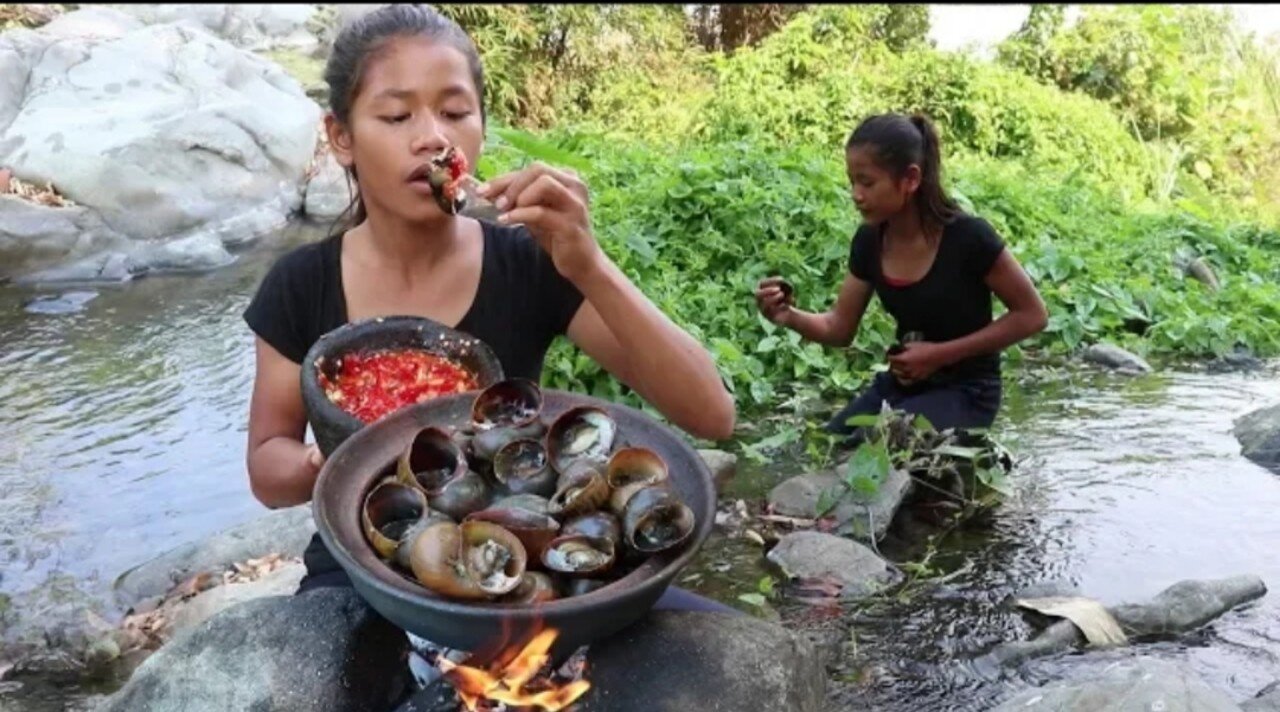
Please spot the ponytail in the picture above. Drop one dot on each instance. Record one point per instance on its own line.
(899, 142)
(931, 200)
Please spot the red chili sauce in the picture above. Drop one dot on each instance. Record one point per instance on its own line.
(370, 385)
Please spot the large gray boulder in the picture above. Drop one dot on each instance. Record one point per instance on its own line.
(677, 661)
(323, 650)
(1140, 685)
(1259, 436)
(163, 132)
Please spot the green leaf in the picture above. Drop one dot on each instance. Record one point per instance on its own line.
(863, 421)
(967, 453)
(754, 599)
(541, 150)
(827, 500)
(868, 468)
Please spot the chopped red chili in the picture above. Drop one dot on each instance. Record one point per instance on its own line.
(373, 384)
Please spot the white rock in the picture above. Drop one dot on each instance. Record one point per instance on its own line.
(165, 131)
(248, 26)
(328, 193)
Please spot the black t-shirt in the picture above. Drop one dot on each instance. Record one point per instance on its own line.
(952, 300)
(520, 307)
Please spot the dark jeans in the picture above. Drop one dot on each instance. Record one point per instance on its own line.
(323, 571)
(971, 403)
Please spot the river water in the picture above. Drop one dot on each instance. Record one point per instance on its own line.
(123, 425)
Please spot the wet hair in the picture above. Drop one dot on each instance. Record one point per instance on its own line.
(897, 141)
(364, 39)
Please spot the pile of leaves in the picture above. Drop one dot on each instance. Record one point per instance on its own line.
(47, 195)
(149, 626)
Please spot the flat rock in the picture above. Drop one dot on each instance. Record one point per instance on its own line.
(1114, 357)
(323, 650)
(66, 303)
(1140, 685)
(864, 517)
(283, 531)
(809, 554)
(1259, 436)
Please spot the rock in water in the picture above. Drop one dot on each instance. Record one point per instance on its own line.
(1114, 357)
(864, 517)
(1181, 608)
(68, 303)
(815, 555)
(1140, 685)
(1259, 436)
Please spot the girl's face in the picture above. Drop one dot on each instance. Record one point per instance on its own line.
(416, 98)
(876, 193)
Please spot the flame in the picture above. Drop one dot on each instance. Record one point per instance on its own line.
(504, 682)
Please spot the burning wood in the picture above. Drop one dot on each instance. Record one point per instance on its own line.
(512, 683)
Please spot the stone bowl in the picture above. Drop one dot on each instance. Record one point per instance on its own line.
(349, 474)
(331, 424)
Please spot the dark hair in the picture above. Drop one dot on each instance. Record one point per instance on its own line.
(898, 142)
(364, 38)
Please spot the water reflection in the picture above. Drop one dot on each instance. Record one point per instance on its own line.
(123, 426)
(1127, 485)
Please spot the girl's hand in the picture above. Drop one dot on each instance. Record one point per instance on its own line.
(917, 360)
(772, 302)
(552, 203)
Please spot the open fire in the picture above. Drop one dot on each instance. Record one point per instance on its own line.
(520, 678)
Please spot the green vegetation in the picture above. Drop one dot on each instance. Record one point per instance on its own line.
(1109, 155)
